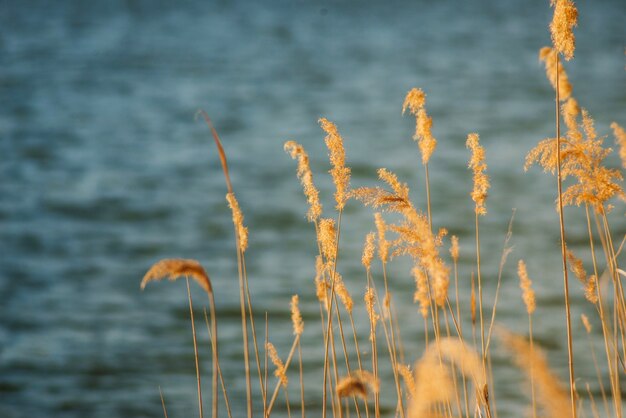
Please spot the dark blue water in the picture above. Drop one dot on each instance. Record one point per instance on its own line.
(104, 171)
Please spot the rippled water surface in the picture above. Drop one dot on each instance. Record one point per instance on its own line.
(104, 171)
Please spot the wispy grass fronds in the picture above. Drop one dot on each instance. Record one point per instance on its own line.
(339, 172)
(296, 151)
(555, 71)
(564, 20)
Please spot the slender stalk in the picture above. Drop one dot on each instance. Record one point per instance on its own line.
(219, 370)
(570, 348)
(532, 371)
(162, 402)
(195, 350)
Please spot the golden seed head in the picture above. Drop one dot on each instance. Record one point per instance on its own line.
(423, 134)
(550, 58)
(368, 250)
(339, 172)
(281, 371)
(342, 292)
(415, 99)
(591, 289)
(296, 316)
(561, 28)
(242, 231)
(383, 244)
(421, 291)
(528, 294)
(478, 166)
(370, 302)
(454, 248)
(327, 235)
(305, 175)
(409, 380)
(174, 268)
(358, 384)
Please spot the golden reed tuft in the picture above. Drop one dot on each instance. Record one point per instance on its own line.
(383, 244)
(620, 140)
(296, 150)
(368, 250)
(407, 377)
(564, 20)
(528, 294)
(370, 306)
(421, 290)
(415, 101)
(549, 56)
(550, 393)
(173, 268)
(339, 172)
(296, 316)
(454, 248)
(478, 166)
(242, 231)
(327, 239)
(342, 292)
(586, 323)
(359, 384)
(280, 372)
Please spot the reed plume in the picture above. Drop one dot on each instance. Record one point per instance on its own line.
(359, 384)
(173, 268)
(296, 316)
(478, 166)
(415, 102)
(554, 71)
(368, 250)
(296, 151)
(281, 371)
(421, 293)
(242, 231)
(565, 18)
(551, 394)
(339, 172)
(528, 294)
(454, 248)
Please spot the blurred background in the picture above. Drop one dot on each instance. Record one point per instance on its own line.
(104, 171)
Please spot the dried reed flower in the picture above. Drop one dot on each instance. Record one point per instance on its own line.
(570, 111)
(478, 166)
(433, 380)
(454, 248)
(564, 20)
(549, 57)
(368, 250)
(359, 384)
(576, 266)
(383, 244)
(591, 289)
(550, 392)
(342, 292)
(409, 380)
(296, 150)
(173, 268)
(370, 306)
(339, 172)
(581, 157)
(281, 371)
(620, 140)
(296, 316)
(327, 236)
(586, 323)
(415, 101)
(528, 294)
(421, 292)
(242, 231)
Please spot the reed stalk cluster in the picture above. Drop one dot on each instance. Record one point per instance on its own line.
(453, 375)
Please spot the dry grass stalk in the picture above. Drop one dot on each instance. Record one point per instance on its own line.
(550, 58)
(586, 323)
(551, 394)
(370, 306)
(280, 371)
(565, 18)
(296, 151)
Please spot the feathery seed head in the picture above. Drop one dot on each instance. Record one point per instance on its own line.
(281, 371)
(339, 172)
(368, 250)
(383, 244)
(370, 306)
(421, 291)
(242, 231)
(305, 175)
(415, 99)
(561, 28)
(296, 316)
(454, 248)
(620, 140)
(174, 268)
(528, 294)
(478, 166)
(586, 323)
(327, 235)
(550, 57)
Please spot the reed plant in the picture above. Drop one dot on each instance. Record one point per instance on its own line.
(453, 376)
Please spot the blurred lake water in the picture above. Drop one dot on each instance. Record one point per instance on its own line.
(104, 171)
